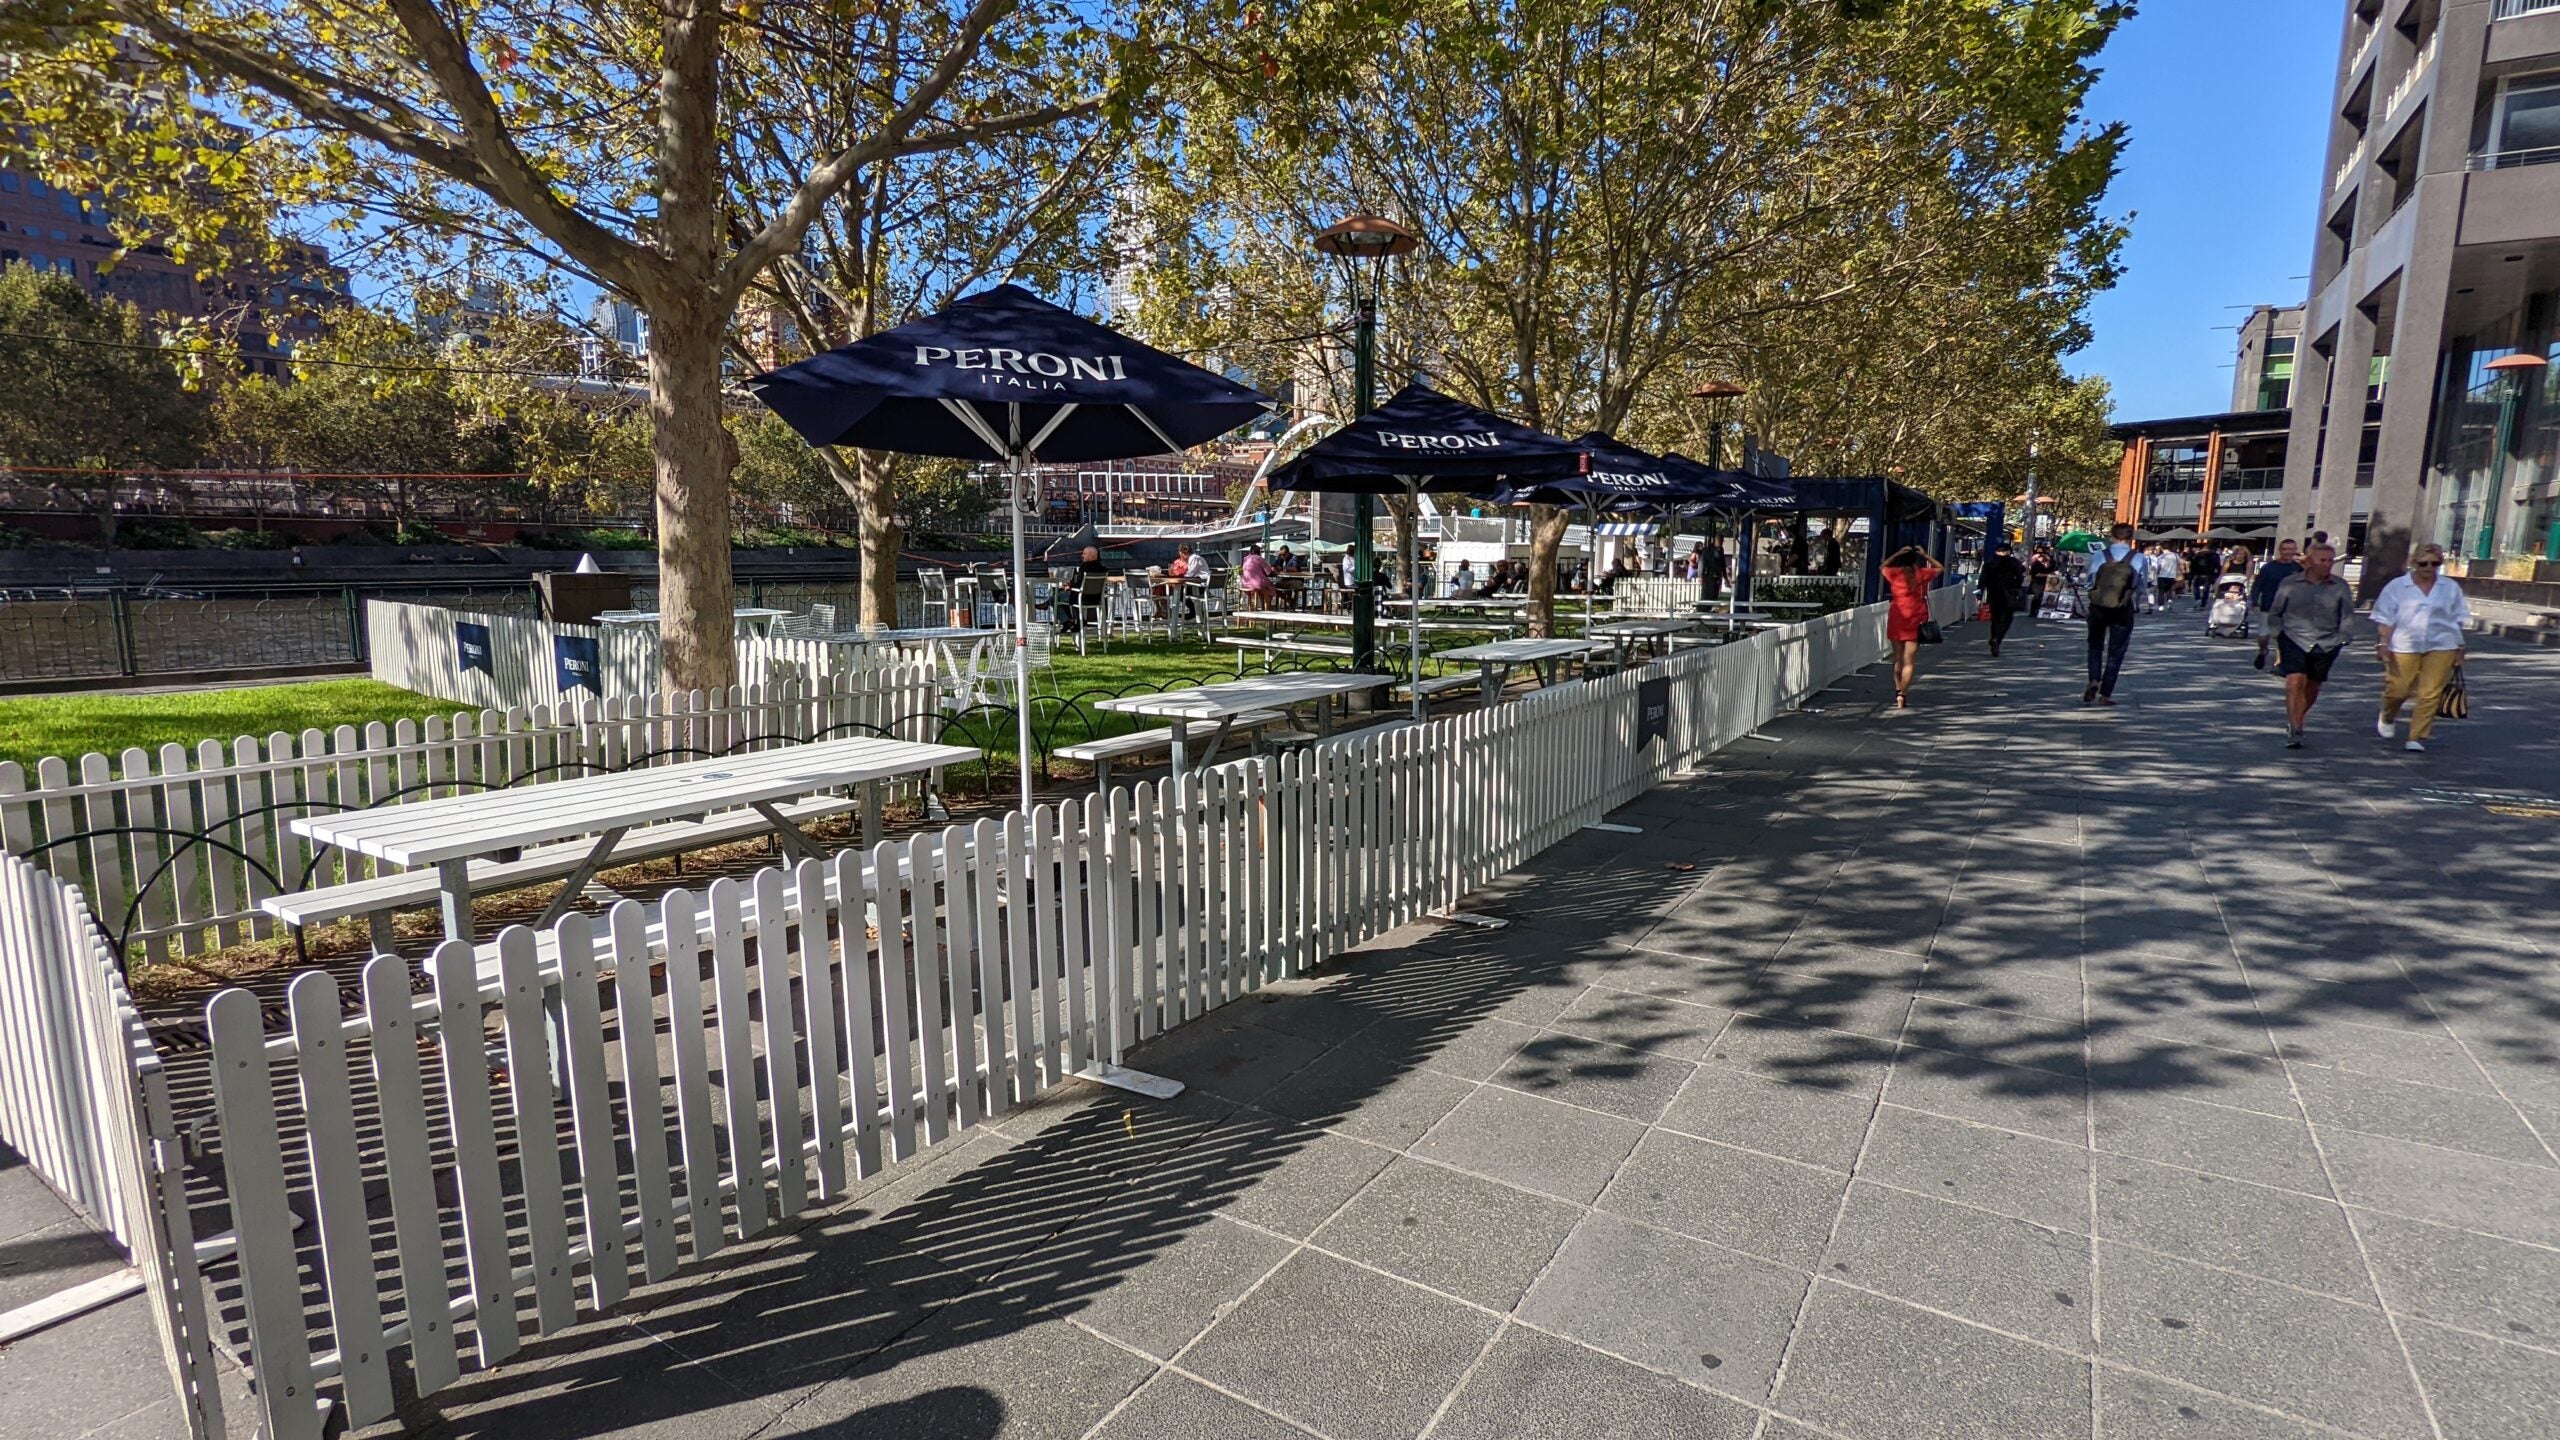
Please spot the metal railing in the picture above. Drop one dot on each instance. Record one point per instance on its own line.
(2510, 9)
(2510, 159)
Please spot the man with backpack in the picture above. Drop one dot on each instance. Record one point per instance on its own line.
(2119, 576)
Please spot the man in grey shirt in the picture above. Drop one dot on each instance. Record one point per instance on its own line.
(2308, 618)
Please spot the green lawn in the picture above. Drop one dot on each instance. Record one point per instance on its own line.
(107, 721)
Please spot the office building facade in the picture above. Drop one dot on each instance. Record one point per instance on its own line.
(2437, 256)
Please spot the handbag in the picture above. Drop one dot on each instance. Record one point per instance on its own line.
(2456, 704)
(1930, 634)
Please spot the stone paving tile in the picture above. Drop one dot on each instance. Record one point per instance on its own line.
(978, 1368)
(2129, 1063)
(1162, 1305)
(2244, 1144)
(1173, 1407)
(1643, 1022)
(1537, 1144)
(1877, 1369)
(2020, 1176)
(2421, 1057)
(1682, 1306)
(1227, 1057)
(2472, 1120)
(2302, 1354)
(2231, 1223)
(1305, 1173)
(2487, 1389)
(2040, 1042)
(1833, 1059)
(2033, 1102)
(1783, 1117)
(1533, 1384)
(1347, 1351)
(1612, 1079)
(1776, 1209)
(1473, 1238)
(1859, 1004)
(2478, 1282)
(1991, 1269)
(2520, 1202)
(2134, 1406)
(1369, 1096)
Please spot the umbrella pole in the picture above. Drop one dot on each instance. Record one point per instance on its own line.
(1590, 569)
(1021, 637)
(1413, 597)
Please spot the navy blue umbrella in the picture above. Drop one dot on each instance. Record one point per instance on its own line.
(1005, 375)
(1423, 441)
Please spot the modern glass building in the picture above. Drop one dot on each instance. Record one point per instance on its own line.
(2437, 257)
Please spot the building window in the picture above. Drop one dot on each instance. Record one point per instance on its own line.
(8, 182)
(2526, 130)
(2377, 377)
(2275, 374)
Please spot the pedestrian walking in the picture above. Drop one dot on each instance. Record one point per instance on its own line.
(2166, 568)
(2308, 619)
(1712, 570)
(2004, 583)
(2421, 615)
(2039, 575)
(2116, 583)
(1908, 573)
(2262, 589)
(2203, 565)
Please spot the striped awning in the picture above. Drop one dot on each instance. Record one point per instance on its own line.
(1624, 529)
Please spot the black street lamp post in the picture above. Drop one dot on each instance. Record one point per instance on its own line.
(1364, 244)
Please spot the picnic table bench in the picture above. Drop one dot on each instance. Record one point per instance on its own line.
(1224, 704)
(1100, 753)
(1497, 659)
(443, 837)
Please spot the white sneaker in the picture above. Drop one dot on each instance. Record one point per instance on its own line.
(2382, 726)
(2415, 747)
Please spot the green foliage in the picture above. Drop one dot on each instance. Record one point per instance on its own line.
(616, 540)
(246, 540)
(85, 389)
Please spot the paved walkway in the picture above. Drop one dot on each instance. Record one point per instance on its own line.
(2006, 1068)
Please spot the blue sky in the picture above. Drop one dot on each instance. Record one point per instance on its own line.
(2226, 100)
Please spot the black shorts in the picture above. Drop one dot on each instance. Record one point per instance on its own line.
(2292, 659)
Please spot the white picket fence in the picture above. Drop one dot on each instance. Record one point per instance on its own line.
(176, 849)
(419, 648)
(874, 1005)
(84, 1099)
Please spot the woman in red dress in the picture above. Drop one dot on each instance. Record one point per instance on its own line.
(1907, 574)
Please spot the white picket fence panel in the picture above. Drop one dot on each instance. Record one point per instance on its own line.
(126, 828)
(416, 647)
(941, 979)
(84, 1100)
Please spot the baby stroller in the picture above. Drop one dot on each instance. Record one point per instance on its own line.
(2229, 614)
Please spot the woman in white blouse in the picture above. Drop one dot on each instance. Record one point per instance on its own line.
(2421, 615)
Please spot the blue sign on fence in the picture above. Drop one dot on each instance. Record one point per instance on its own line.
(579, 662)
(1653, 711)
(471, 643)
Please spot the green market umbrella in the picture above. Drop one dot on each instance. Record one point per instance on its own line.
(2078, 542)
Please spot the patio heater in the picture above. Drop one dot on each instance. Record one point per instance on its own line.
(1362, 244)
(2514, 374)
(1718, 397)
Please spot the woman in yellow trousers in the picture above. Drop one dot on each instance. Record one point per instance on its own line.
(2421, 615)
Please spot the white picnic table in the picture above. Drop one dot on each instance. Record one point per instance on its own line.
(1497, 657)
(1624, 632)
(1221, 703)
(449, 833)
